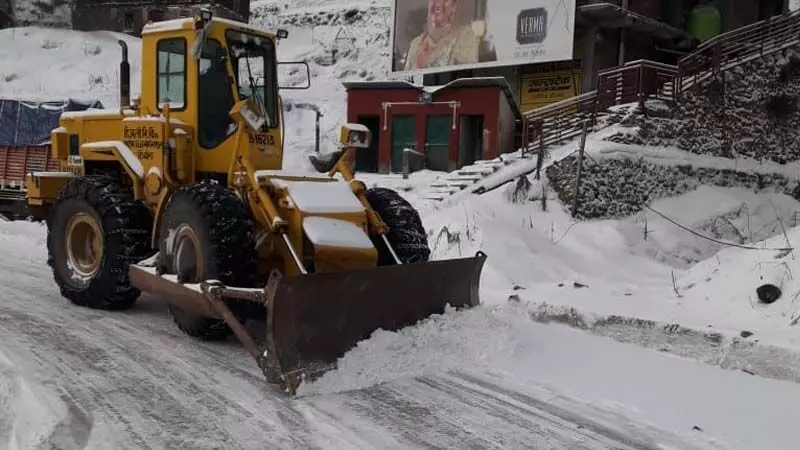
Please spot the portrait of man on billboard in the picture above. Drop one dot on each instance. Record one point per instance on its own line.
(451, 34)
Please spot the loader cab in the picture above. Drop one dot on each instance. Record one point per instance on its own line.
(201, 69)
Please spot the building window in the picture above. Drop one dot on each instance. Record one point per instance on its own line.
(127, 22)
(171, 86)
(155, 15)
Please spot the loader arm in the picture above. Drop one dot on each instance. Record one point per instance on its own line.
(261, 204)
(344, 165)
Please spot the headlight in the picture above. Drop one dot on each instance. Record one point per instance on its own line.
(356, 137)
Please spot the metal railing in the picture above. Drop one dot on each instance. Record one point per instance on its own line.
(635, 81)
(640, 80)
(408, 154)
(736, 47)
(558, 121)
(632, 82)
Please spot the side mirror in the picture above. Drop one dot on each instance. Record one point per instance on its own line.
(287, 72)
(282, 34)
(245, 110)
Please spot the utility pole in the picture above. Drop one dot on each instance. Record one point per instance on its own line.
(622, 35)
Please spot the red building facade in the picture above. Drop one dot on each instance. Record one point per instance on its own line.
(452, 125)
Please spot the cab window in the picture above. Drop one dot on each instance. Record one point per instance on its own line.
(171, 74)
(215, 97)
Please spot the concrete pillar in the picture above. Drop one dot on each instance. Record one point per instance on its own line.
(588, 60)
(741, 13)
(622, 37)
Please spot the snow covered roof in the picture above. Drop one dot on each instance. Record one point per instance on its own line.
(474, 82)
(612, 16)
(188, 23)
(380, 84)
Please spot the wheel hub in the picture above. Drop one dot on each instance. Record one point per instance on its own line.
(84, 245)
(188, 261)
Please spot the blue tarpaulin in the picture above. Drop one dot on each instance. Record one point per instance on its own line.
(30, 123)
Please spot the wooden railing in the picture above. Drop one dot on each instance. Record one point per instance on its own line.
(737, 47)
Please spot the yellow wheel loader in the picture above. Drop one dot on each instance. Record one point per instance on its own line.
(180, 193)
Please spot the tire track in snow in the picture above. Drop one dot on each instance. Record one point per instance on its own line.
(131, 382)
(9, 392)
(71, 433)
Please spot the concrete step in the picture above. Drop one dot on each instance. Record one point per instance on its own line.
(443, 194)
(465, 178)
(483, 171)
(462, 184)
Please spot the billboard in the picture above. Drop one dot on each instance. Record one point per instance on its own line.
(432, 36)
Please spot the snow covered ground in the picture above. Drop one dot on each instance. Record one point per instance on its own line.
(490, 378)
(494, 377)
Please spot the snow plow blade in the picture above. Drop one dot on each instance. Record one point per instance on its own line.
(312, 320)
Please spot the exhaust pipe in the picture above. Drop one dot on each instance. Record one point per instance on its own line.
(124, 77)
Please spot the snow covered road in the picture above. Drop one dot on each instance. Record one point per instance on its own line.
(129, 381)
(73, 378)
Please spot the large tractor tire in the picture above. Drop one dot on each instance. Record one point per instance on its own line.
(207, 234)
(406, 232)
(95, 231)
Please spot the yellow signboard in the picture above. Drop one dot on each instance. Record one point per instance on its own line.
(542, 88)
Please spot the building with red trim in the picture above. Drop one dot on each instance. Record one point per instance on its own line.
(451, 125)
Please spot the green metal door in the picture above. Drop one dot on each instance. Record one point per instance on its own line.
(437, 142)
(404, 135)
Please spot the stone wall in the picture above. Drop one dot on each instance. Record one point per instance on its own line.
(750, 111)
(617, 188)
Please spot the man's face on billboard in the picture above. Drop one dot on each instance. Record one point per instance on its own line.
(441, 12)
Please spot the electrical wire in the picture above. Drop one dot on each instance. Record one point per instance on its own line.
(709, 238)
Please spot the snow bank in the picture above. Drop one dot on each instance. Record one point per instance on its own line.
(476, 338)
(619, 267)
(729, 280)
(501, 345)
(734, 215)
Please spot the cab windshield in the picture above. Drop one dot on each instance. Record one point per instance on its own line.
(252, 61)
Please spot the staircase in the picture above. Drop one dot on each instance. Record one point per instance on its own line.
(469, 177)
(634, 82)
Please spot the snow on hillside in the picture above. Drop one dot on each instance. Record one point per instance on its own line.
(340, 41)
(40, 64)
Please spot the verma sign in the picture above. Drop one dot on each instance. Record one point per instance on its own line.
(432, 36)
